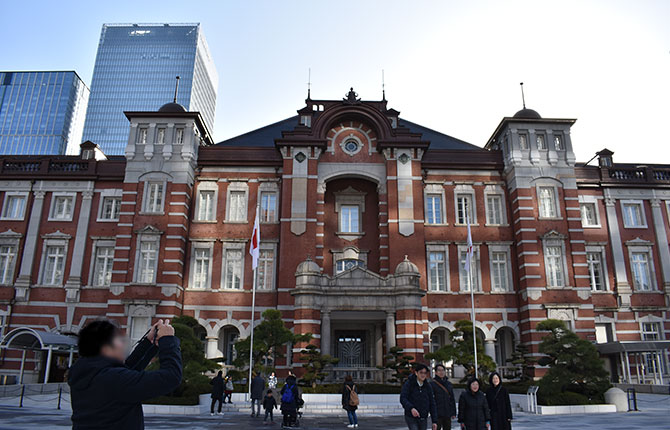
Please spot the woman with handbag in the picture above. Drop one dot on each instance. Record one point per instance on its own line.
(350, 400)
(499, 404)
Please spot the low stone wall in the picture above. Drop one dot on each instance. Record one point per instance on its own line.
(171, 410)
(576, 409)
(646, 388)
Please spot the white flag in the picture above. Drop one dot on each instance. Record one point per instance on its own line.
(471, 251)
(254, 245)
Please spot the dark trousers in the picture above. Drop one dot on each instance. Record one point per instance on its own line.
(228, 395)
(444, 423)
(268, 412)
(289, 418)
(416, 423)
(214, 400)
(255, 407)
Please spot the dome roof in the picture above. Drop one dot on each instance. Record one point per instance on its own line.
(307, 267)
(526, 113)
(172, 108)
(406, 267)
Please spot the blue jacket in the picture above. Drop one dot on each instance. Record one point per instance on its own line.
(108, 394)
(421, 398)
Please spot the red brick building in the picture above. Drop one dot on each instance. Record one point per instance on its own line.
(363, 238)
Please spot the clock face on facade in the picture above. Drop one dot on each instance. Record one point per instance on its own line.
(351, 146)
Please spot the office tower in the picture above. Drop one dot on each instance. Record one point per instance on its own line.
(41, 113)
(135, 70)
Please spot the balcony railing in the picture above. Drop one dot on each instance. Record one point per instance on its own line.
(46, 166)
(359, 374)
(636, 174)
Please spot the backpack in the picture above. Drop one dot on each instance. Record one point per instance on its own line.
(353, 396)
(288, 397)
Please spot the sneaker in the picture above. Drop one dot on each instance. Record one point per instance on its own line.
(211, 414)
(220, 413)
(350, 426)
(355, 425)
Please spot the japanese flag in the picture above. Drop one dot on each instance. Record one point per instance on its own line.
(254, 246)
(470, 251)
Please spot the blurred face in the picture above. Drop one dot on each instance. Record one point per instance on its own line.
(440, 372)
(422, 375)
(495, 380)
(474, 387)
(116, 349)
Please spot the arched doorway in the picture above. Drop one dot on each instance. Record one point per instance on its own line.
(439, 338)
(505, 344)
(228, 335)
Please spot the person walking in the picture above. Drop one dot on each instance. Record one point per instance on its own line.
(418, 400)
(257, 388)
(444, 398)
(217, 392)
(350, 400)
(272, 381)
(473, 409)
(228, 391)
(269, 403)
(107, 389)
(500, 406)
(289, 401)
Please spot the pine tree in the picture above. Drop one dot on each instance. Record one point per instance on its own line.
(315, 364)
(399, 363)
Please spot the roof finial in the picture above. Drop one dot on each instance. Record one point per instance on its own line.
(523, 97)
(176, 90)
(383, 87)
(309, 83)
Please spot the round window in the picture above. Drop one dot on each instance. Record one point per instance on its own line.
(351, 146)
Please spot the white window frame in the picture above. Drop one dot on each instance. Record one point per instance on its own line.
(238, 187)
(272, 247)
(642, 247)
(55, 196)
(210, 187)
(541, 137)
(176, 135)
(157, 139)
(501, 249)
(468, 191)
(643, 216)
(199, 245)
(97, 244)
(589, 200)
(524, 136)
(554, 239)
(443, 249)
(267, 188)
(147, 194)
(349, 253)
(557, 206)
(475, 263)
(435, 190)
(146, 236)
(561, 139)
(11, 239)
(349, 209)
(5, 201)
(109, 194)
(142, 139)
(599, 249)
(350, 197)
(138, 311)
(53, 240)
(495, 190)
(232, 246)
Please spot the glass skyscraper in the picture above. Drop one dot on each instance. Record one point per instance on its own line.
(135, 70)
(41, 113)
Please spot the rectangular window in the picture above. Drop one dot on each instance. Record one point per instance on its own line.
(111, 207)
(523, 141)
(437, 271)
(604, 333)
(268, 207)
(641, 270)
(153, 203)
(61, 209)
(499, 274)
(201, 262)
(142, 134)
(237, 210)
(14, 207)
(589, 214)
(558, 142)
(541, 144)
(554, 269)
(160, 136)
(54, 265)
(494, 211)
(206, 205)
(147, 261)
(434, 208)
(233, 269)
(464, 208)
(548, 202)
(102, 271)
(471, 279)
(632, 215)
(7, 262)
(265, 272)
(651, 331)
(596, 271)
(138, 327)
(179, 136)
(349, 219)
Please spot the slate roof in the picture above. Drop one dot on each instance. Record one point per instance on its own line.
(265, 136)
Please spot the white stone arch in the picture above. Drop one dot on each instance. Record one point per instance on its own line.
(512, 325)
(375, 172)
(219, 324)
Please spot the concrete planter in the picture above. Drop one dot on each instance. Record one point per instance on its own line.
(576, 409)
(171, 409)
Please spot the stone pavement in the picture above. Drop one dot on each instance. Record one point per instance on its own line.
(654, 416)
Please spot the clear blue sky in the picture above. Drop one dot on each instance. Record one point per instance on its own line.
(454, 66)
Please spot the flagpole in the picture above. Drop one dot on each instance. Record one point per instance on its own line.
(469, 256)
(253, 301)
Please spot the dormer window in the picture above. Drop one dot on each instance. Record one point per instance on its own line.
(306, 120)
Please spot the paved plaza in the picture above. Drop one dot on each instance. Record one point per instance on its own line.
(653, 416)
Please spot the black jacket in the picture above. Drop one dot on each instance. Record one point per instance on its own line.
(269, 403)
(217, 387)
(473, 410)
(444, 400)
(290, 408)
(421, 398)
(500, 407)
(108, 394)
(257, 387)
(346, 395)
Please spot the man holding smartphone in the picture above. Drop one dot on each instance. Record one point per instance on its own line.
(107, 389)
